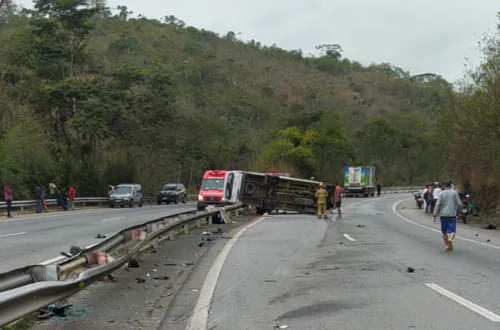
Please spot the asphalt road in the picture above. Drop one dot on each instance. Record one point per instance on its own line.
(305, 273)
(30, 239)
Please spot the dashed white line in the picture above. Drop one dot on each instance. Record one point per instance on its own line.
(14, 234)
(436, 230)
(199, 319)
(111, 219)
(348, 237)
(464, 302)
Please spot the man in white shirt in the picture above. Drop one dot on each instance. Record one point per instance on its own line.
(435, 195)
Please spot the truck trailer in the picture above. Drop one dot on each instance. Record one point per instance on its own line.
(359, 181)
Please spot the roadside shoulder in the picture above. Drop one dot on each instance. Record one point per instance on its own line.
(407, 209)
(140, 297)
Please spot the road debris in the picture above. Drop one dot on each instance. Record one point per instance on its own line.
(277, 326)
(99, 236)
(172, 264)
(140, 280)
(161, 277)
(360, 226)
(133, 263)
(410, 270)
(99, 258)
(61, 312)
(490, 227)
(73, 251)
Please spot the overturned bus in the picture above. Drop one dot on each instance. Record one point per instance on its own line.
(268, 192)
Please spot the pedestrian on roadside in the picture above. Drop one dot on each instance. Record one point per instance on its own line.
(321, 197)
(38, 196)
(8, 199)
(436, 191)
(44, 200)
(379, 188)
(425, 196)
(338, 198)
(447, 207)
(72, 196)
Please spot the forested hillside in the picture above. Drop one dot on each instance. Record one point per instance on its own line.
(95, 97)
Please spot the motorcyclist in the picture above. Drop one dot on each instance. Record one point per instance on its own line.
(322, 196)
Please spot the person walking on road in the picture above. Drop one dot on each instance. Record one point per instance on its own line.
(435, 195)
(8, 199)
(447, 206)
(72, 196)
(322, 196)
(338, 198)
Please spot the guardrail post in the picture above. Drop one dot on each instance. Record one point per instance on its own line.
(84, 204)
(171, 235)
(210, 220)
(198, 223)
(22, 208)
(186, 228)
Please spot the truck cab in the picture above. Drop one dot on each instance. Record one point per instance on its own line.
(233, 187)
(212, 189)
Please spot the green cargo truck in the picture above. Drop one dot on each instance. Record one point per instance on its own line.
(359, 181)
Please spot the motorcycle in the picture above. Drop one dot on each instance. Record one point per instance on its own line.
(418, 199)
(468, 209)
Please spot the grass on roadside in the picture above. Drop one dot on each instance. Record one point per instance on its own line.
(23, 324)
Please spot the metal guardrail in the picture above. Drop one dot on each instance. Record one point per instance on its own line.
(82, 201)
(28, 289)
(395, 190)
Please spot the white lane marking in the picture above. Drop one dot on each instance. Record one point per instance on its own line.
(436, 230)
(464, 302)
(111, 219)
(348, 237)
(60, 258)
(199, 319)
(14, 234)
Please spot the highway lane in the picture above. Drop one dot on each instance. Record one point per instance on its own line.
(305, 273)
(32, 239)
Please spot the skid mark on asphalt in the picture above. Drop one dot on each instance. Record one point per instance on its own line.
(464, 302)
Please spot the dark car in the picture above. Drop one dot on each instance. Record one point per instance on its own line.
(172, 193)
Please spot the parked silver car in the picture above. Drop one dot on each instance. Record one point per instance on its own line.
(127, 194)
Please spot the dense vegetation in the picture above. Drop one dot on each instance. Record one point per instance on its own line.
(98, 98)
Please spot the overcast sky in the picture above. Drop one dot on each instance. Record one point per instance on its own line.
(418, 35)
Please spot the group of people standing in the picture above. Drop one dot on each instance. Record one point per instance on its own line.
(41, 195)
(322, 198)
(441, 199)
